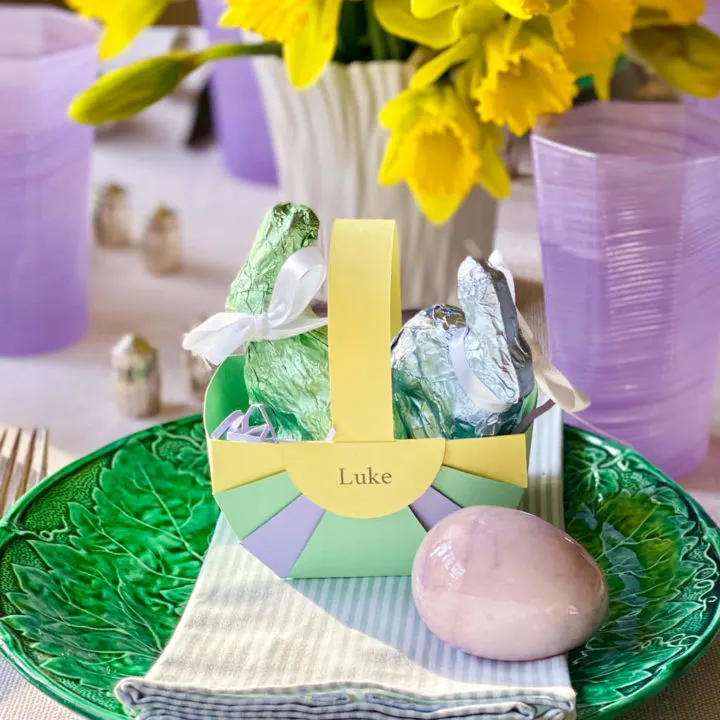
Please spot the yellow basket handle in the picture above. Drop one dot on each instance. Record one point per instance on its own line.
(364, 314)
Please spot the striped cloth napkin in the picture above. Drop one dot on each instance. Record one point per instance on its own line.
(251, 646)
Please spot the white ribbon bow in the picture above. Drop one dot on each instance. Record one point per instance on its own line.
(288, 314)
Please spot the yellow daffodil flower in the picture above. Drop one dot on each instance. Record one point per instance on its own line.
(440, 150)
(472, 22)
(686, 57)
(590, 34)
(123, 20)
(521, 77)
(431, 8)
(525, 9)
(678, 12)
(307, 30)
(437, 32)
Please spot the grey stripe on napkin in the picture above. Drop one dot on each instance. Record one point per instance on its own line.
(252, 646)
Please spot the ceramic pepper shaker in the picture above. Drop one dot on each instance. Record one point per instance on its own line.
(136, 376)
(111, 219)
(162, 246)
(197, 371)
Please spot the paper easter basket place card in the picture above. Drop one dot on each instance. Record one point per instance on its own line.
(360, 503)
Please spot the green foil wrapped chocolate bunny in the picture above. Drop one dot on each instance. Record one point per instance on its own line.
(289, 376)
(266, 308)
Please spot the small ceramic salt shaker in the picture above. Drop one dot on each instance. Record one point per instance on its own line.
(136, 376)
(162, 244)
(197, 371)
(111, 219)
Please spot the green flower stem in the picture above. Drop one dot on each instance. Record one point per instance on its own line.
(222, 51)
(395, 47)
(376, 35)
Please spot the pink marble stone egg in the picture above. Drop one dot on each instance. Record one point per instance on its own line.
(506, 585)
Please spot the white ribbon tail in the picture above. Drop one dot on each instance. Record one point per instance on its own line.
(219, 336)
(549, 379)
(303, 324)
(298, 281)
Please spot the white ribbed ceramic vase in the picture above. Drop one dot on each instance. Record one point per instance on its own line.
(328, 147)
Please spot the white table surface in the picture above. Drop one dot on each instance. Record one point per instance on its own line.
(70, 392)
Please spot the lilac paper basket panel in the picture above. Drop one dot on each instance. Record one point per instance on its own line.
(239, 113)
(280, 541)
(48, 56)
(629, 225)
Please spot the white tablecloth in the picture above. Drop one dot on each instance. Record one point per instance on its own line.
(71, 391)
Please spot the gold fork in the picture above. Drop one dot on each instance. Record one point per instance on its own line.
(23, 462)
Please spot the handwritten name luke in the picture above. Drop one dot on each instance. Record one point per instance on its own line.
(368, 478)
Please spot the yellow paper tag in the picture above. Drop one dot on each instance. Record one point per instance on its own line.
(363, 480)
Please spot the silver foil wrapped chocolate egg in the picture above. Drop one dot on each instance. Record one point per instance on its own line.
(464, 372)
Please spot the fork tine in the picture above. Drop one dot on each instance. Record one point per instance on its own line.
(8, 457)
(36, 463)
(22, 467)
(23, 463)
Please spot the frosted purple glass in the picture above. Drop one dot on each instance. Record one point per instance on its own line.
(630, 230)
(46, 57)
(239, 113)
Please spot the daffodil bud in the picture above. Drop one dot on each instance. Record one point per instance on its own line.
(125, 92)
(686, 57)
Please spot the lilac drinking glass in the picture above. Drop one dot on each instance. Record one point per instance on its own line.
(239, 113)
(46, 57)
(630, 230)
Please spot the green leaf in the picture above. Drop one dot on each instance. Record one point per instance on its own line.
(687, 57)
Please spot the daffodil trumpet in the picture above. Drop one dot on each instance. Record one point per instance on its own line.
(440, 149)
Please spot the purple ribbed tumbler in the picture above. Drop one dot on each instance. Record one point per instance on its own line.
(46, 57)
(630, 230)
(239, 113)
